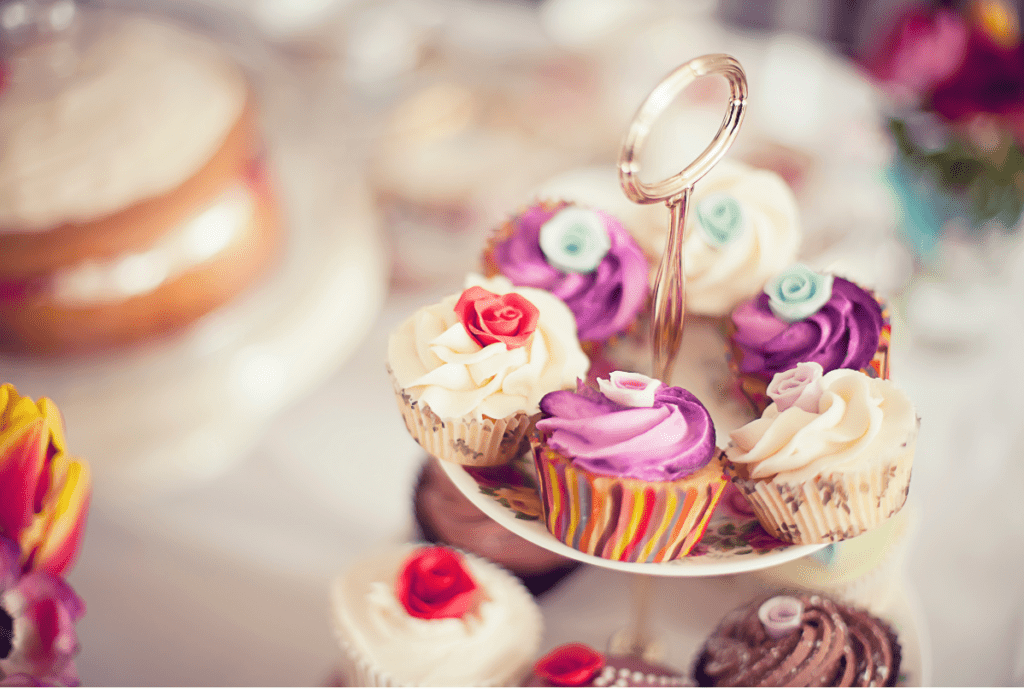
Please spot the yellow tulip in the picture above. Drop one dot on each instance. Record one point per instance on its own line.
(44, 493)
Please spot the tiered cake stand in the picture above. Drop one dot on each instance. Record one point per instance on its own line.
(734, 543)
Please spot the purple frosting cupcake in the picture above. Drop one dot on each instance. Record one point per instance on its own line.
(668, 439)
(804, 316)
(584, 257)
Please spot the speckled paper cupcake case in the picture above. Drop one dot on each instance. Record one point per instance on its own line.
(487, 442)
(626, 519)
(829, 507)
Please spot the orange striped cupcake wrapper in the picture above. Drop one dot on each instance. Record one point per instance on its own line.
(626, 519)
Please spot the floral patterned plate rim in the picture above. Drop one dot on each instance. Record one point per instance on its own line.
(734, 541)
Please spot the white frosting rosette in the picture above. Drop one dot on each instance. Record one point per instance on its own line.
(827, 469)
(742, 229)
(493, 644)
(472, 403)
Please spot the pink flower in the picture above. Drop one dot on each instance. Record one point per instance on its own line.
(923, 48)
(797, 387)
(38, 612)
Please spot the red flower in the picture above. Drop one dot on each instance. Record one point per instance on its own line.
(571, 665)
(489, 318)
(433, 584)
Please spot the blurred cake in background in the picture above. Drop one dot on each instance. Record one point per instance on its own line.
(133, 194)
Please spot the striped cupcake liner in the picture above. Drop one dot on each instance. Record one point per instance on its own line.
(470, 442)
(626, 519)
(755, 388)
(830, 507)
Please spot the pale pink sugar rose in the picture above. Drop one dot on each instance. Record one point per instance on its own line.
(629, 389)
(798, 387)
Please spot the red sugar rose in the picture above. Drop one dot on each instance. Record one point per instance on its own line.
(489, 317)
(433, 584)
(571, 665)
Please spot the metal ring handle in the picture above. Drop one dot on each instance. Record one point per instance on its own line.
(659, 99)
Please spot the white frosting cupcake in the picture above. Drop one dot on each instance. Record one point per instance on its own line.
(492, 643)
(472, 403)
(829, 459)
(147, 107)
(742, 229)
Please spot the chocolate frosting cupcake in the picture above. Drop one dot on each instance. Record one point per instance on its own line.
(799, 640)
(444, 515)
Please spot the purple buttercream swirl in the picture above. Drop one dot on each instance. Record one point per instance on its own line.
(605, 301)
(666, 442)
(844, 333)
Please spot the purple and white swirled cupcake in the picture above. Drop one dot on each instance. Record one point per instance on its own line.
(584, 257)
(804, 316)
(630, 473)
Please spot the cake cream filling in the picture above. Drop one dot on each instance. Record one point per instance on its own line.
(206, 235)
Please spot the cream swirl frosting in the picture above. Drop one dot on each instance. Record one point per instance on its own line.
(859, 422)
(147, 108)
(492, 644)
(742, 229)
(434, 359)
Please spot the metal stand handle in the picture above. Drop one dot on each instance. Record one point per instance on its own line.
(670, 283)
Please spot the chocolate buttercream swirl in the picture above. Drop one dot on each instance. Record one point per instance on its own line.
(834, 646)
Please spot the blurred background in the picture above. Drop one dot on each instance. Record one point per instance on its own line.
(244, 455)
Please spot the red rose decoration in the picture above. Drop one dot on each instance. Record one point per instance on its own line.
(990, 79)
(490, 318)
(433, 584)
(571, 665)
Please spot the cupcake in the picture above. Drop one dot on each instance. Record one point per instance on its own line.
(430, 616)
(133, 194)
(630, 473)
(830, 458)
(578, 665)
(584, 257)
(804, 316)
(444, 515)
(799, 640)
(743, 228)
(469, 372)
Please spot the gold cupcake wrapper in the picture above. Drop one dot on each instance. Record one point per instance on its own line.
(830, 507)
(470, 442)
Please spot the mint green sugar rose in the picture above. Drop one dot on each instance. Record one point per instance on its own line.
(798, 292)
(575, 240)
(721, 218)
